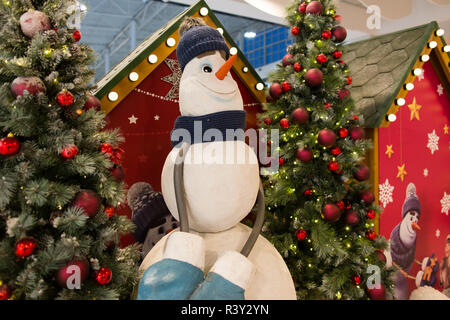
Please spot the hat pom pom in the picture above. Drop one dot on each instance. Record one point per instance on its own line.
(411, 191)
(190, 22)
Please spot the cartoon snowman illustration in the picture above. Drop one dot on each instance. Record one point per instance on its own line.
(210, 182)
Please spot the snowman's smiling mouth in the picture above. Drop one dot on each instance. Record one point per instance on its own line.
(216, 90)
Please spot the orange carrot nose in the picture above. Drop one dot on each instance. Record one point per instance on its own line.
(415, 226)
(223, 71)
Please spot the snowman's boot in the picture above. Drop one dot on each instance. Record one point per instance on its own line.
(180, 271)
(227, 280)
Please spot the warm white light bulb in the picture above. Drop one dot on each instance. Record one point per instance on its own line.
(153, 58)
(417, 72)
(400, 101)
(233, 51)
(409, 86)
(134, 76)
(204, 11)
(113, 96)
(259, 86)
(440, 32)
(171, 42)
(447, 48)
(425, 58)
(392, 117)
(432, 44)
(220, 30)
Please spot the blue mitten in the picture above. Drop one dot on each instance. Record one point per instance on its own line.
(180, 271)
(227, 279)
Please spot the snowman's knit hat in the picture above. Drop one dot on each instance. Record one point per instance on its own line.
(411, 201)
(198, 38)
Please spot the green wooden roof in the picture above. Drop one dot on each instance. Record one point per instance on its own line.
(380, 65)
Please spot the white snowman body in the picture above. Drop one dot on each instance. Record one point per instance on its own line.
(221, 182)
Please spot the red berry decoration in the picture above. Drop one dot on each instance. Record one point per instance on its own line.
(301, 234)
(371, 235)
(275, 90)
(287, 60)
(300, 116)
(331, 213)
(284, 123)
(337, 54)
(295, 30)
(297, 67)
(341, 205)
(65, 98)
(349, 80)
(33, 85)
(336, 151)
(357, 133)
(304, 155)
(313, 77)
(103, 276)
(377, 293)
(281, 161)
(314, 7)
(371, 214)
(321, 58)
(88, 201)
(344, 93)
(326, 138)
(362, 172)
(77, 35)
(343, 133)
(326, 34)
(5, 292)
(357, 280)
(9, 146)
(69, 152)
(286, 85)
(352, 218)
(327, 105)
(367, 197)
(302, 7)
(355, 118)
(338, 18)
(333, 166)
(338, 34)
(110, 211)
(117, 173)
(267, 121)
(66, 274)
(308, 192)
(25, 247)
(92, 103)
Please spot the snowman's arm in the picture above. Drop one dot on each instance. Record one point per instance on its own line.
(418, 262)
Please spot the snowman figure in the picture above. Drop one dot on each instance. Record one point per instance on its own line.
(210, 182)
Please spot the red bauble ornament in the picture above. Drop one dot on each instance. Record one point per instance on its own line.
(377, 293)
(267, 121)
(284, 123)
(69, 152)
(287, 60)
(337, 54)
(338, 34)
(333, 166)
(357, 280)
(295, 30)
(321, 58)
(362, 172)
(297, 67)
(336, 151)
(349, 80)
(25, 247)
(70, 270)
(357, 133)
(313, 77)
(65, 98)
(343, 93)
(281, 161)
(33, 85)
(326, 34)
(304, 155)
(308, 192)
(380, 255)
(77, 35)
(352, 218)
(371, 235)
(33, 22)
(331, 212)
(371, 214)
(5, 292)
(9, 146)
(301, 234)
(300, 116)
(343, 133)
(327, 105)
(302, 7)
(103, 276)
(314, 7)
(92, 103)
(367, 197)
(117, 173)
(275, 90)
(110, 211)
(326, 138)
(286, 85)
(88, 201)
(341, 205)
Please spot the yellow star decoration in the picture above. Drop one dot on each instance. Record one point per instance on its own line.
(401, 172)
(414, 107)
(389, 151)
(445, 129)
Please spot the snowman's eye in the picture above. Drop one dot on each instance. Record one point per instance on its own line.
(207, 69)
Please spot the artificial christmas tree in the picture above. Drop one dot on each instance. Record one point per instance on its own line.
(317, 212)
(58, 239)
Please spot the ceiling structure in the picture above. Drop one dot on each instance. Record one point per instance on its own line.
(113, 28)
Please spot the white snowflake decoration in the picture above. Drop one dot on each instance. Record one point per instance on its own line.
(433, 141)
(425, 172)
(445, 203)
(386, 192)
(421, 76)
(438, 233)
(440, 89)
